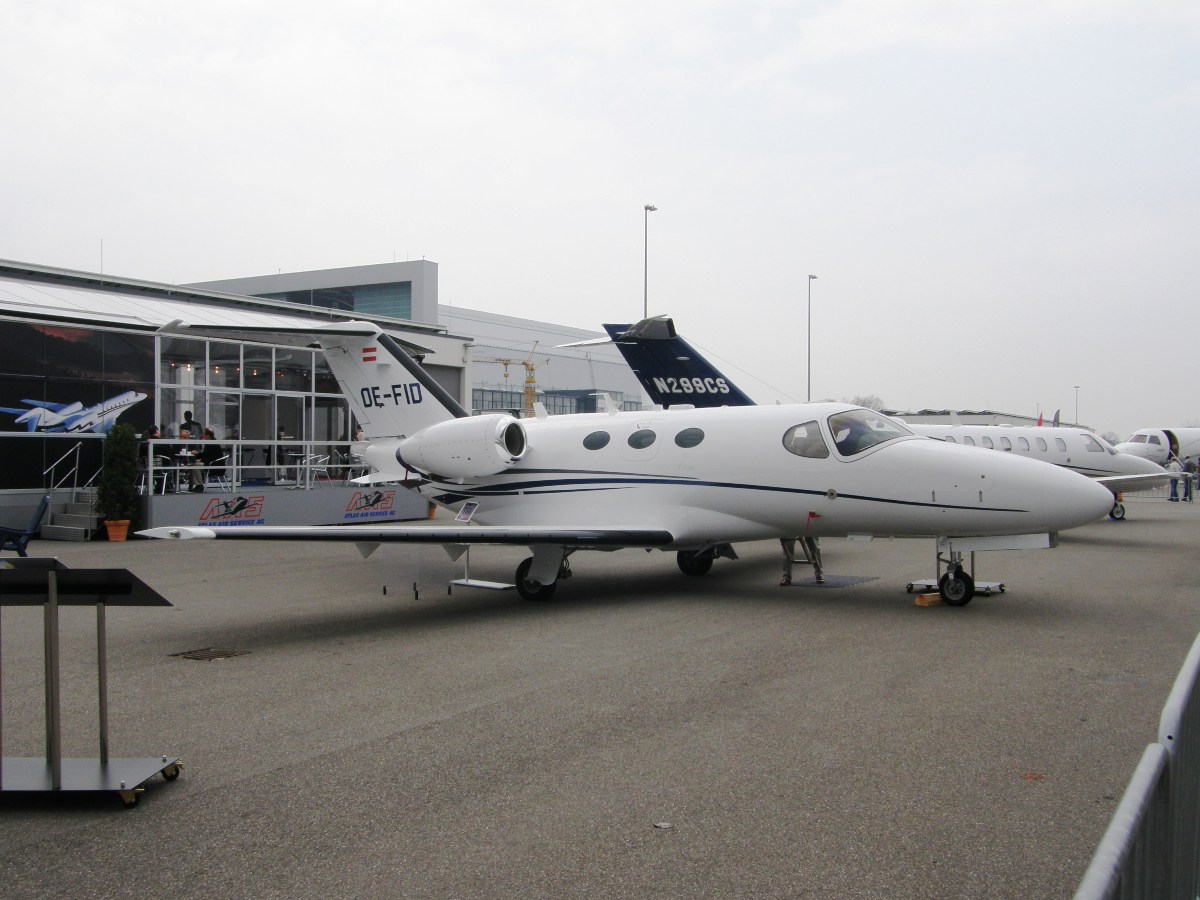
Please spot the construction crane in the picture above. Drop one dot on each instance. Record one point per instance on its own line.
(530, 393)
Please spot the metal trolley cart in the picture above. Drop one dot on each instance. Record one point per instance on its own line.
(50, 584)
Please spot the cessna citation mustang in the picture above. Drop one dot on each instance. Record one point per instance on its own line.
(673, 373)
(690, 481)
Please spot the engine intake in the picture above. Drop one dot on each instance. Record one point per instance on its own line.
(472, 447)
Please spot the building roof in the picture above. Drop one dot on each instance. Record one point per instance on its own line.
(63, 295)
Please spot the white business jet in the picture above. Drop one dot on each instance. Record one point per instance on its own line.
(692, 481)
(673, 373)
(1160, 444)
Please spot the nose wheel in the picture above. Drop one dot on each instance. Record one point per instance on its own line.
(956, 587)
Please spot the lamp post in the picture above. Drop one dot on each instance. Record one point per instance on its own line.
(647, 209)
(1076, 404)
(811, 279)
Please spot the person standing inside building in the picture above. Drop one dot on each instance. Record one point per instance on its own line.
(193, 427)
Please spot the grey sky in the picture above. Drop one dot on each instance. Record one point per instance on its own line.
(1000, 199)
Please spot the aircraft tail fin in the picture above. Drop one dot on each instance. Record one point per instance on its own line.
(670, 369)
(389, 392)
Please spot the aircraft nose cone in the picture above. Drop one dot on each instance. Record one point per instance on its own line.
(1077, 500)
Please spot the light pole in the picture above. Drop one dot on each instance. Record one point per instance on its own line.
(811, 279)
(648, 208)
(1076, 404)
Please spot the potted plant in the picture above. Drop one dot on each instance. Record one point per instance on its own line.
(116, 491)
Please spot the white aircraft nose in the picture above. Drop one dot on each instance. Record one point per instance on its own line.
(1072, 499)
(1016, 494)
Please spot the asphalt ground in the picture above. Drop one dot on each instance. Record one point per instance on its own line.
(791, 742)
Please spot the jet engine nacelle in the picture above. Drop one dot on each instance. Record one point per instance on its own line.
(472, 447)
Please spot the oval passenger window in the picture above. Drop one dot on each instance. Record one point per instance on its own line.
(596, 440)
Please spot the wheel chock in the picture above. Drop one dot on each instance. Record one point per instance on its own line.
(928, 600)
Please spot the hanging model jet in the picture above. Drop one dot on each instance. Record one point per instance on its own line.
(74, 418)
(673, 373)
(691, 481)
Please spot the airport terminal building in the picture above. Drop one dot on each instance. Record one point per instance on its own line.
(83, 351)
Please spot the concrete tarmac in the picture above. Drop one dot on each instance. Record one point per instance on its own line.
(644, 734)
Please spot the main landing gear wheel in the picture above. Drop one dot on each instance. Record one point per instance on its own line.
(694, 562)
(530, 589)
(956, 588)
(1117, 512)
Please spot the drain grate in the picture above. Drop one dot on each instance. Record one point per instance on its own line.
(209, 653)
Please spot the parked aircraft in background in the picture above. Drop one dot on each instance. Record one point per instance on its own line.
(693, 481)
(74, 417)
(1160, 444)
(672, 372)
(1072, 448)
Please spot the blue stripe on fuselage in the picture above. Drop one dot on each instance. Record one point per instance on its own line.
(607, 481)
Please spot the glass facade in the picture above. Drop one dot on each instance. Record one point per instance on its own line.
(394, 299)
(557, 403)
(59, 385)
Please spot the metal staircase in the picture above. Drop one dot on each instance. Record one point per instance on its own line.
(76, 522)
(77, 519)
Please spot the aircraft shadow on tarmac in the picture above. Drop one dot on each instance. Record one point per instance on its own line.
(749, 585)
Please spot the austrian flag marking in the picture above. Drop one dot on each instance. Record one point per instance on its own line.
(369, 354)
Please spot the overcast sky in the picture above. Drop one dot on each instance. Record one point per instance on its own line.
(1000, 199)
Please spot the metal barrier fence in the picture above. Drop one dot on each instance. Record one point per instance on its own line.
(1151, 849)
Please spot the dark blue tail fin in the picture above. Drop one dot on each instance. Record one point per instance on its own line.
(670, 370)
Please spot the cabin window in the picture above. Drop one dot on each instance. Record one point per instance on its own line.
(1041, 444)
(596, 440)
(1023, 444)
(1155, 441)
(642, 438)
(950, 440)
(1005, 444)
(987, 442)
(1060, 444)
(967, 439)
(689, 437)
(1092, 445)
(806, 440)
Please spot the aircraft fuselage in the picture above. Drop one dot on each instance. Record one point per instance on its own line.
(719, 475)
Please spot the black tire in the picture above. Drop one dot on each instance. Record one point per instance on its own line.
(530, 589)
(694, 562)
(1117, 513)
(956, 591)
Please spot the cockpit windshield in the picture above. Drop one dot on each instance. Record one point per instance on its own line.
(856, 430)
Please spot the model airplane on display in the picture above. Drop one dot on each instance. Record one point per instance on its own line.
(73, 418)
(673, 373)
(1161, 444)
(692, 481)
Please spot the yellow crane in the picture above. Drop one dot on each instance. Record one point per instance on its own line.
(530, 393)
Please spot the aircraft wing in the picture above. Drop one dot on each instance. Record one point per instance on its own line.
(426, 534)
(1131, 484)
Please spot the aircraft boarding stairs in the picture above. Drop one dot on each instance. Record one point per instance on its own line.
(76, 520)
